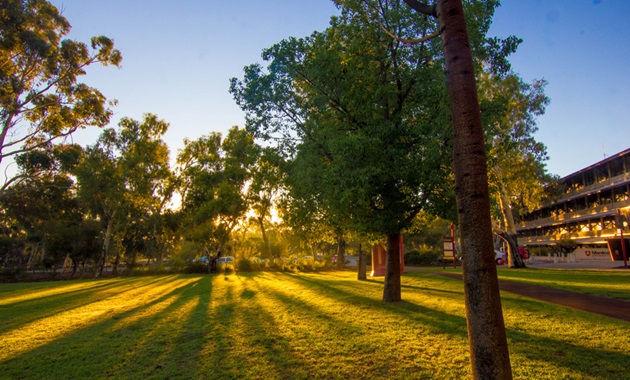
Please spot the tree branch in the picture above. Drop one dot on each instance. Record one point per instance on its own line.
(426, 9)
(409, 41)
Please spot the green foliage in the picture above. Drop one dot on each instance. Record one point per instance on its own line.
(423, 257)
(125, 181)
(214, 174)
(41, 99)
(370, 118)
(245, 265)
(196, 267)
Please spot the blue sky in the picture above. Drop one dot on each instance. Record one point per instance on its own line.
(178, 58)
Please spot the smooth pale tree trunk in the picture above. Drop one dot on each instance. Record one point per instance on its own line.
(514, 258)
(362, 273)
(43, 252)
(506, 210)
(105, 249)
(486, 329)
(391, 290)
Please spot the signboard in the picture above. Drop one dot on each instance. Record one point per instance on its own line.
(448, 249)
(591, 254)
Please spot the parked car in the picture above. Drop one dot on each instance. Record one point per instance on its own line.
(226, 259)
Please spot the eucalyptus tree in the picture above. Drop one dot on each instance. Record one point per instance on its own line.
(516, 161)
(264, 191)
(41, 100)
(125, 177)
(43, 206)
(214, 173)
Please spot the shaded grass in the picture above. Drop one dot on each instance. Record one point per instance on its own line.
(285, 326)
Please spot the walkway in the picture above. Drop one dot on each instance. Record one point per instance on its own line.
(610, 307)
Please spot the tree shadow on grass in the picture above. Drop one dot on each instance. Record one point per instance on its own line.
(438, 321)
(606, 364)
(16, 315)
(109, 345)
(257, 347)
(569, 359)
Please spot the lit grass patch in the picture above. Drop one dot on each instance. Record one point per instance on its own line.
(292, 326)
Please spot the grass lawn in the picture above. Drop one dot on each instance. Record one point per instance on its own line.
(607, 283)
(286, 326)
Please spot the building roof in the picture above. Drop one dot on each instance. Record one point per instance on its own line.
(591, 167)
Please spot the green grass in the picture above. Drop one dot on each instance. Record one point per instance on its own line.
(285, 326)
(607, 283)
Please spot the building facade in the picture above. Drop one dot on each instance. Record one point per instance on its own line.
(591, 210)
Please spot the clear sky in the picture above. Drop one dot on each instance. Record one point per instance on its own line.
(178, 57)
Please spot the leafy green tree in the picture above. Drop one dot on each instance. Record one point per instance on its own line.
(371, 143)
(41, 100)
(516, 160)
(42, 203)
(125, 177)
(263, 191)
(214, 173)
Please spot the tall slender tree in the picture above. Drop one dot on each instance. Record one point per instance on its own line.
(486, 328)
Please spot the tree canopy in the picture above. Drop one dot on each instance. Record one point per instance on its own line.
(41, 100)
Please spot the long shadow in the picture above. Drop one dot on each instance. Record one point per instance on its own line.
(24, 312)
(214, 359)
(107, 343)
(258, 344)
(170, 348)
(586, 361)
(438, 321)
(565, 354)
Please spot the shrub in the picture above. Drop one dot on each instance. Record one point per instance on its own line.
(196, 267)
(244, 265)
(423, 257)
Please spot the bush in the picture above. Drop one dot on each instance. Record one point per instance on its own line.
(225, 268)
(196, 267)
(423, 257)
(245, 265)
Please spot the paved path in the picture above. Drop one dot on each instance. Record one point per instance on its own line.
(610, 307)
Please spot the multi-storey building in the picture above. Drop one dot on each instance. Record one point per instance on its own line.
(590, 212)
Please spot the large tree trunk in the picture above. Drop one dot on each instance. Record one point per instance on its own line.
(486, 330)
(391, 290)
(362, 272)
